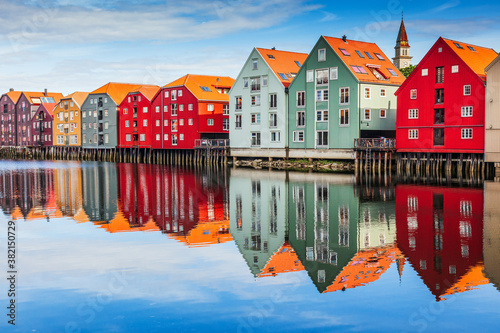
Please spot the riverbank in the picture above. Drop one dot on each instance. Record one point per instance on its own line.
(299, 165)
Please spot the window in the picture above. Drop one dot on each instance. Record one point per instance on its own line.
(458, 45)
(368, 115)
(439, 96)
(440, 49)
(275, 137)
(413, 114)
(210, 122)
(238, 121)
(173, 95)
(128, 137)
(225, 109)
(245, 82)
(467, 90)
(157, 109)
(301, 98)
(158, 137)
(383, 113)
(382, 92)
(367, 93)
(466, 111)
(165, 122)
(321, 76)
(106, 125)
(173, 125)
(298, 136)
(368, 55)
(190, 121)
(466, 133)
(454, 69)
(145, 122)
(413, 93)
(273, 120)
(145, 109)
(238, 103)
(255, 118)
(165, 108)
(181, 107)
(322, 55)
(142, 137)
(322, 95)
(264, 80)
(254, 64)
(310, 76)
(344, 117)
(181, 122)
(344, 96)
(273, 101)
(438, 116)
(255, 84)
(392, 71)
(256, 139)
(173, 109)
(322, 115)
(379, 56)
(166, 93)
(165, 137)
(158, 123)
(439, 137)
(179, 93)
(322, 138)
(425, 71)
(334, 73)
(181, 136)
(358, 69)
(344, 52)
(210, 107)
(301, 118)
(256, 100)
(174, 139)
(190, 107)
(360, 54)
(439, 74)
(413, 134)
(225, 124)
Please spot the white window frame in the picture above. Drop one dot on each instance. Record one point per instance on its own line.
(345, 124)
(296, 136)
(369, 91)
(369, 113)
(210, 122)
(454, 69)
(297, 118)
(467, 111)
(320, 95)
(303, 105)
(467, 86)
(466, 133)
(323, 115)
(310, 75)
(321, 55)
(383, 92)
(412, 113)
(385, 114)
(348, 90)
(413, 93)
(413, 134)
(334, 73)
(425, 71)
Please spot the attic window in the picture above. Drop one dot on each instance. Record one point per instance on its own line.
(205, 88)
(270, 56)
(379, 56)
(344, 52)
(288, 75)
(360, 54)
(359, 69)
(298, 63)
(392, 71)
(283, 76)
(471, 48)
(368, 55)
(458, 45)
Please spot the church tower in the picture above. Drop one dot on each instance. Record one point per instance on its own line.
(402, 48)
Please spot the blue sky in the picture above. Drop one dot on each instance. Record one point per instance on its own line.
(69, 45)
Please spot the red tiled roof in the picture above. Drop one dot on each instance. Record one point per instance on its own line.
(363, 67)
(195, 83)
(14, 95)
(78, 97)
(117, 91)
(283, 63)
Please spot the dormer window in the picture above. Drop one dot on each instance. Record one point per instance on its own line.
(270, 56)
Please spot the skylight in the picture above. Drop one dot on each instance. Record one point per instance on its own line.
(392, 71)
(298, 63)
(368, 55)
(47, 100)
(379, 56)
(458, 45)
(205, 88)
(344, 52)
(358, 69)
(283, 76)
(288, 75)
(270, 56)
(360, 54)
(471, 48)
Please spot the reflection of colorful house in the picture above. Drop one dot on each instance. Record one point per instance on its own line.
(120, 224)
(285, 260)
(440, 231)
(491, 243)
(68, 189)
(100, 191)
(205, 234)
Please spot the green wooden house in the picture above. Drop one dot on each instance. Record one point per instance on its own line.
(343, 91)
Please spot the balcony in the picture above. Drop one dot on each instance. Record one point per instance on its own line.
(377, 144)
(211, 143)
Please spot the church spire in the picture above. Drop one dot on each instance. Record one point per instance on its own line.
(402, 39)
(402, 57)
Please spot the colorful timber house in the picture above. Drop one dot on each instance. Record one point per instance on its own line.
(41, 125)
(99, 115)
(68, 120)
(191, 108)
(258, 103)
(8, 117)
(136, 119)
(343, 91)
(441, 106)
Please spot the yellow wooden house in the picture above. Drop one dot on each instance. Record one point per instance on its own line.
(67, 120)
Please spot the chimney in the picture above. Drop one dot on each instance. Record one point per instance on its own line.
(45, 92)
(344, 38)
(273, 48)
(11, 89)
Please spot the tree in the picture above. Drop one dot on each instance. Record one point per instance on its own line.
(407, 70)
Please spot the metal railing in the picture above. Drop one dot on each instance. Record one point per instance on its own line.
(211, 143)
(381, 143)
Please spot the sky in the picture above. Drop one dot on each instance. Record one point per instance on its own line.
(70, 45)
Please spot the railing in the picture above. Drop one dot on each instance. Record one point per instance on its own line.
(211, 143)
(375, 143)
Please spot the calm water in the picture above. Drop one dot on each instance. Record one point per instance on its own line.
(105, 247)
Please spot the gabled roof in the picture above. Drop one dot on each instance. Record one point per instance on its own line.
(33, 96)
(362, 67)
(476, 57)
(78, 97)
(209, 83)
(492, 63)
(117, 91)
(147, 91)
(283, 261)
(283, 63)
(14, 95)
(49, 107)
(402, 39)
(473, 278)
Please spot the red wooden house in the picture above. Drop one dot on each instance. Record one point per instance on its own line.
(8, 117)
(41, 125)
(441, 105)
(440, 231)
(190, 108)
(135, 119)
